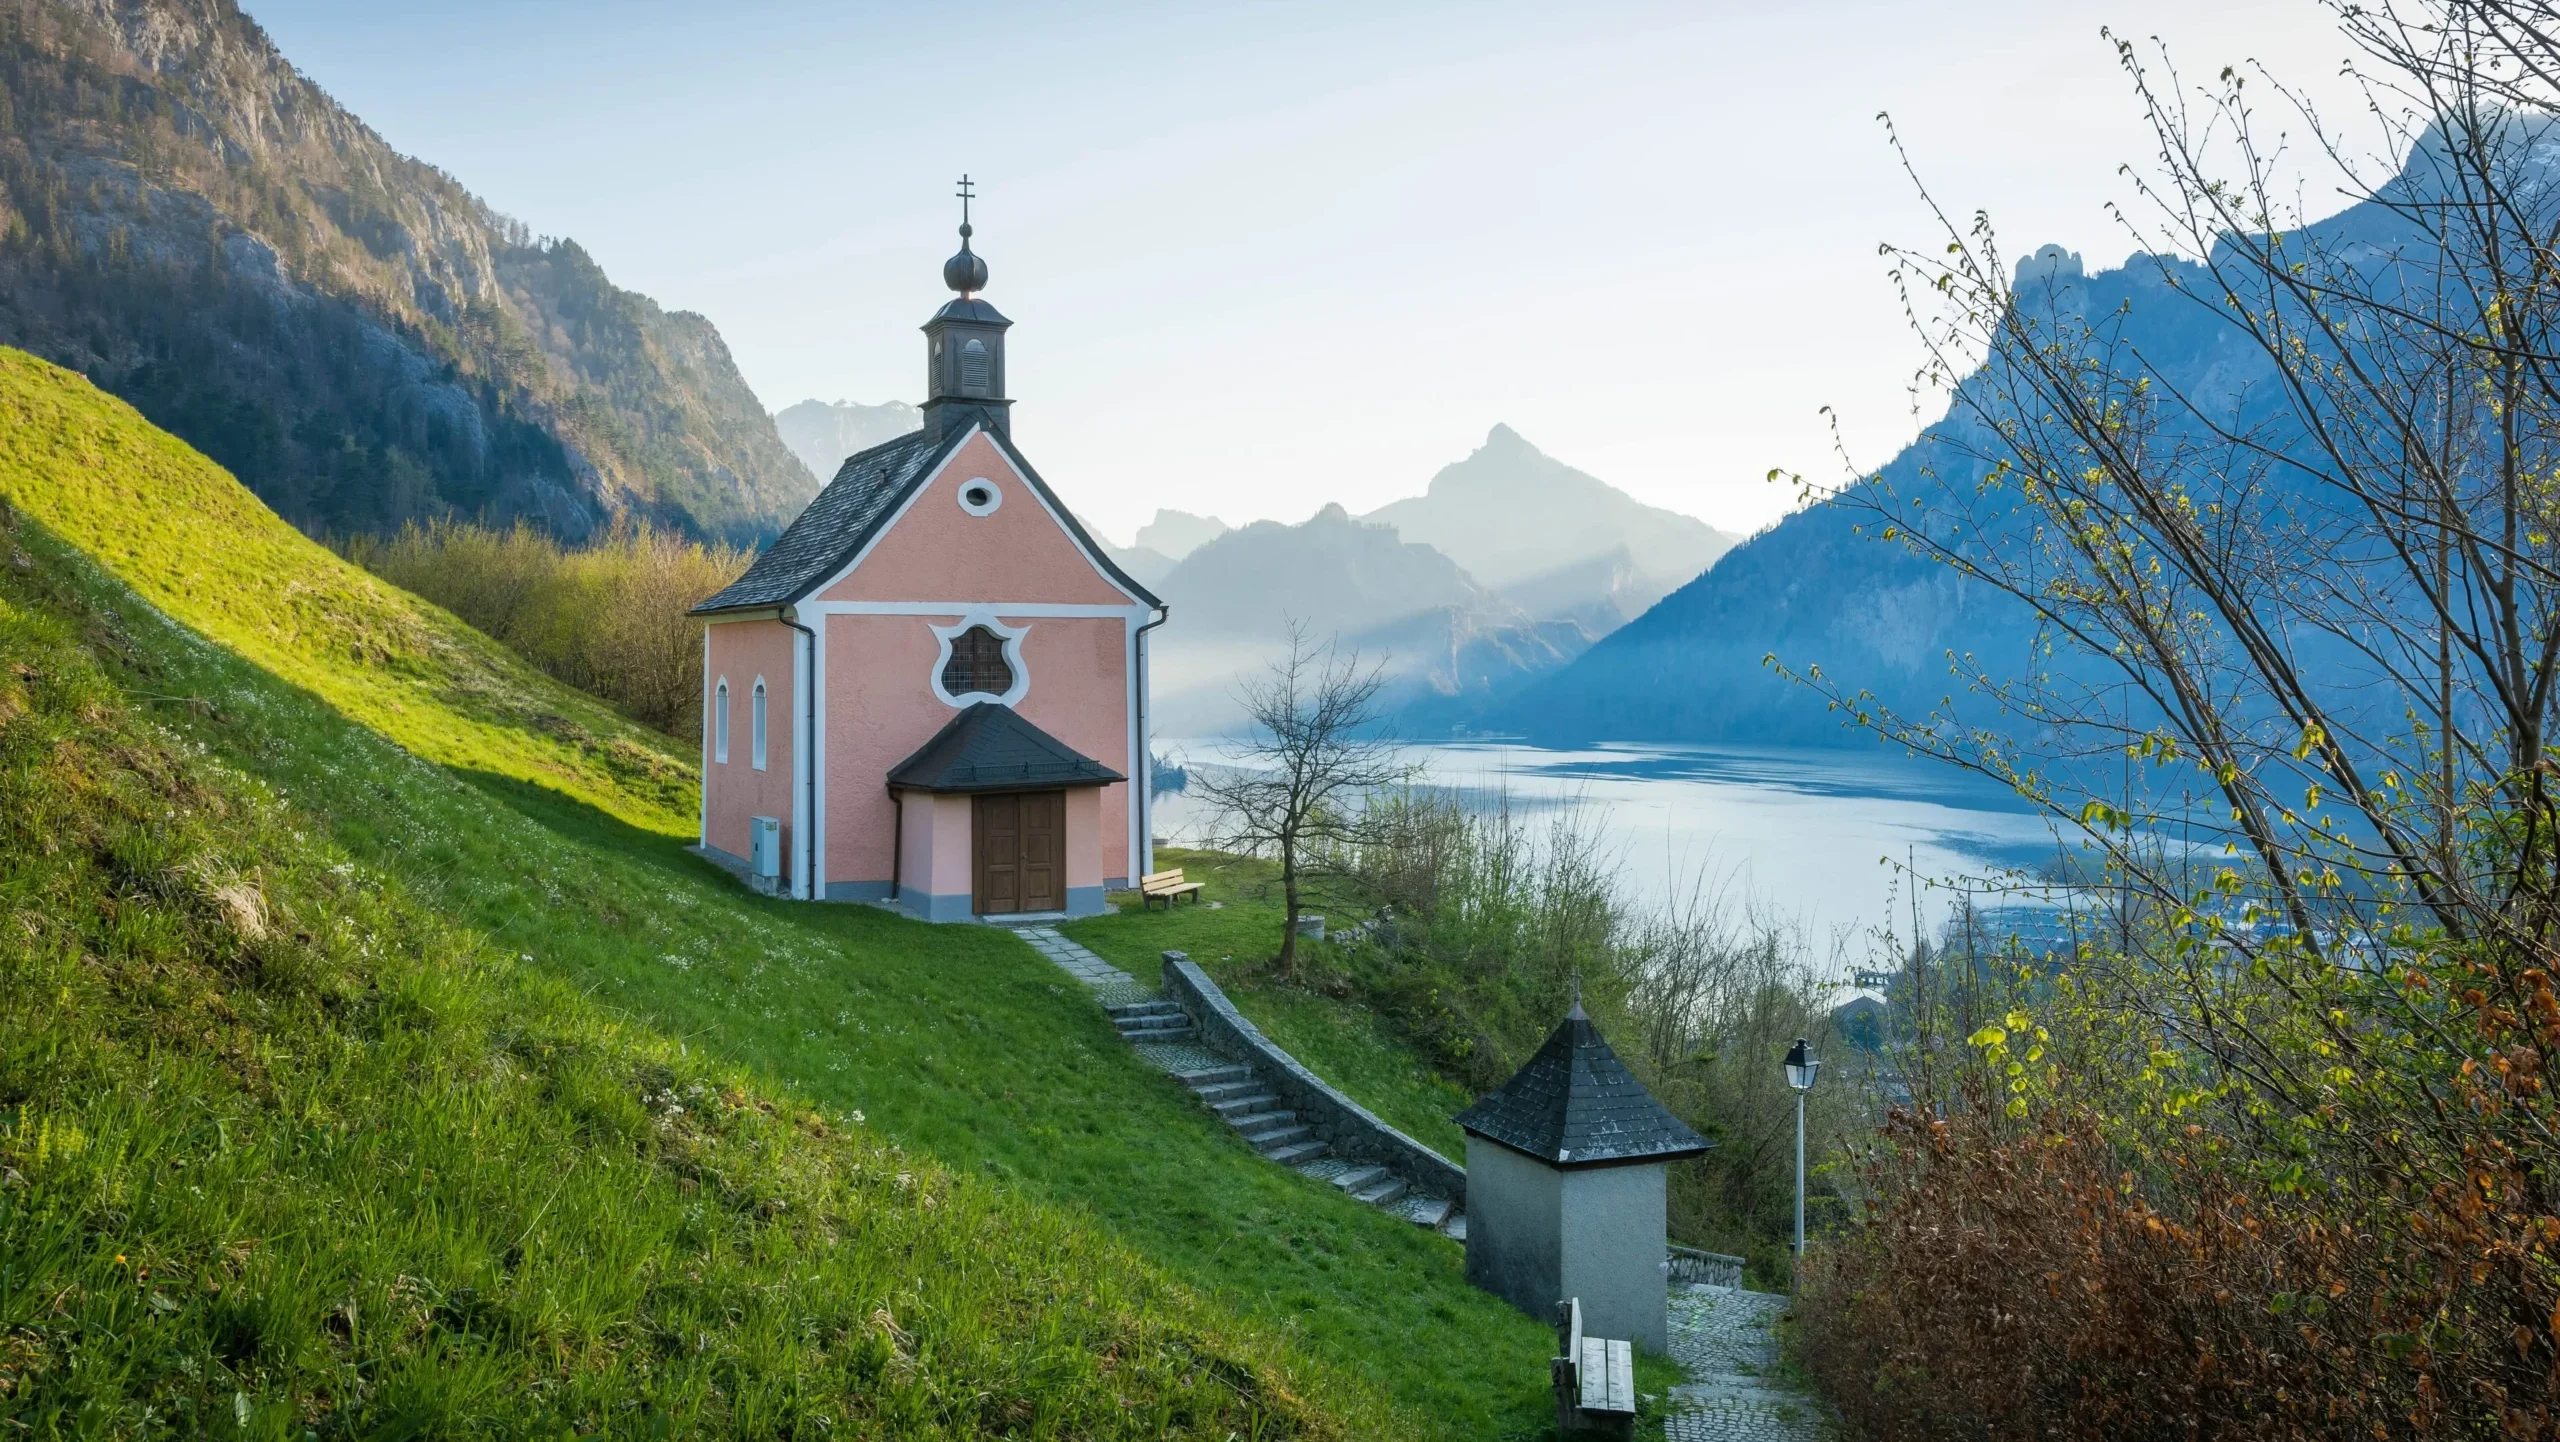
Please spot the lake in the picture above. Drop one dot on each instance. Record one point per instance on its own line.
(1828, 839)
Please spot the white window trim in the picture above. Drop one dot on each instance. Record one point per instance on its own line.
(720, 722)
(759, 709)
(960, 494)
(1012, 636)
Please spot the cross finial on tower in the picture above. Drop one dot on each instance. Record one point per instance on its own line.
(965, 272)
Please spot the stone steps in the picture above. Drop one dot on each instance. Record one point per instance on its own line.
(1152, 1022)
(1358, 1177)
(1288, 1137)
(1383, 1193)
(1216, 1076)
(1238, 1098)
(1428, 1211)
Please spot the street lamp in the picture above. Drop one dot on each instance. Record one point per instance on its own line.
(1801, 1065)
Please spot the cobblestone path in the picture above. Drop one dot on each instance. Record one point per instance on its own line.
(1725, 1339)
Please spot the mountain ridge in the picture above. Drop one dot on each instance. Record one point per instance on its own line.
(1824, 587)
(821, 434)
(1509, 512)
(196, 226)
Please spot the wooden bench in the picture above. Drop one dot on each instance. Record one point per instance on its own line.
(1595, 1380)
(1167, 887)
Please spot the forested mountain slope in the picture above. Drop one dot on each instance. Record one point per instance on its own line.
(1826, 588)
(822, 435)
(198, 228)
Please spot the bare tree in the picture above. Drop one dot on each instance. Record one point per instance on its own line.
(1297, 786)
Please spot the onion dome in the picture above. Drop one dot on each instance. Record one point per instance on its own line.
(965, 272)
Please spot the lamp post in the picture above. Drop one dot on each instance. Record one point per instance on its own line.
(1801, 1065)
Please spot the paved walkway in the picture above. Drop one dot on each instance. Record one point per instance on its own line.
(1077, 962)
(1114, 987)
(1725, 1339)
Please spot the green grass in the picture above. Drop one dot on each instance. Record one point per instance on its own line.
(957, 1044)
(1343, 1041)
(286, 1152)
(196, 544)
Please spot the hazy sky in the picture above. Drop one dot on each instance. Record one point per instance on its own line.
(1264, 256)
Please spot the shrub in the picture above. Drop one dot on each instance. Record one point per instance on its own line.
(2093, 1234)
(608, 619)
(1493, 925)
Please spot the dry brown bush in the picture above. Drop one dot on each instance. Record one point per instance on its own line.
(2027, 1278)
(609, 618)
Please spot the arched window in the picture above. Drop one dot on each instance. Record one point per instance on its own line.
(720, 722)
(973, 368)
(977, 664)
(755, 726)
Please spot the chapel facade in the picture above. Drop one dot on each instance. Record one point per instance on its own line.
(930, 690)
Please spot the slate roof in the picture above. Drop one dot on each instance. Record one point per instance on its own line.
(963, 307)
(989, 747)
(866, 490)
(1576, 1105)
(851, 509)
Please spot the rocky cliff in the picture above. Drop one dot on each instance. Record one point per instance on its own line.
(197, 227)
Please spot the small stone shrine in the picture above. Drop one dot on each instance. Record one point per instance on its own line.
(1566, 1165)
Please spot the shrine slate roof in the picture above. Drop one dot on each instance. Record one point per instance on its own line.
(867, 490)
(1576, 1105)
(835, 526)
(989, 747)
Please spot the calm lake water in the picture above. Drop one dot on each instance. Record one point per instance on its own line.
(1829, 840)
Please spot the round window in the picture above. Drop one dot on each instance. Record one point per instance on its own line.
(980, 497)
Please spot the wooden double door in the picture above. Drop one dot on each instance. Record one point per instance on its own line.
(1021, 842)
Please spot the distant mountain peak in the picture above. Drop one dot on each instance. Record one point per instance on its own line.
(823, 434)
(1176, 534)
(2050, 263)
(1510, 512)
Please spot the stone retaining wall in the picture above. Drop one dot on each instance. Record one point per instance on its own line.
(1715, 1269)
(1351, 1130)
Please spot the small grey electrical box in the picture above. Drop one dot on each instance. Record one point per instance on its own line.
(764, 851)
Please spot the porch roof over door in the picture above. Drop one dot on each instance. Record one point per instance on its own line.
(989, 747)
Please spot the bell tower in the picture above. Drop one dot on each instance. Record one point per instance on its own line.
(964, 345)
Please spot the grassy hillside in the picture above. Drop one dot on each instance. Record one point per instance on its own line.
(286, 1149)
(194, 543)
(958, 1044)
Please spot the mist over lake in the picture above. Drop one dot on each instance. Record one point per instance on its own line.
(1827, 839)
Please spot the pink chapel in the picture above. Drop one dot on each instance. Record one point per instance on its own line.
(930, 691)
